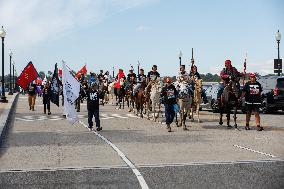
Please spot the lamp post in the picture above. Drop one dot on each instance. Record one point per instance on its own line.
(2, 35)
(112, 72)
(138, 67)
(179, 56)
(14, 77)
(10, 84)
(278, 38)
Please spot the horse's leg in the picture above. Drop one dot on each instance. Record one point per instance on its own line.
(197, 112)
(221, 115)
(235, 117)
(228, 118)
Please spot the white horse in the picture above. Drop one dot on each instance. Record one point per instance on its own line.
(156, 88)
(111, 92)
(184, 100)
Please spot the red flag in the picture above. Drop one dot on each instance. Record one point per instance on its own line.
(27, 76)
(82, 70)
(59, 73)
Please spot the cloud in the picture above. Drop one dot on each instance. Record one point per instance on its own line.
(263, 67)
(143, 28)
(32, 21)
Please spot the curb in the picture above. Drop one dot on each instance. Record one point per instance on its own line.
(5, 116)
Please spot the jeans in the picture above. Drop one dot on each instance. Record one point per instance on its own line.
(94, 113)
(169, 113)
(46, 105)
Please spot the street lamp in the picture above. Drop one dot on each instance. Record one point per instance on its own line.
(278, 38)
(10, 86)
(138, 67)
(112, 72)
(179, 56)
(2, 35)
(14, 77)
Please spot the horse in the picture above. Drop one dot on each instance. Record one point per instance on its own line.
(129, 97)
(140, 97)
(121, 93)
(229, 100)
(196, 98)
(154, 98)
(184, 100)
(111, 92)
(103, 87)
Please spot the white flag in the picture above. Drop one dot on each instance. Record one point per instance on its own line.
(71, 89)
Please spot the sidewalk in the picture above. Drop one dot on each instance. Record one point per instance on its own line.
(5, 111)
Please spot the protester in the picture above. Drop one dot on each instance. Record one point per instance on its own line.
(46, 98)
(32, 95)
(93, 96)
(169, 95)
(252, 93)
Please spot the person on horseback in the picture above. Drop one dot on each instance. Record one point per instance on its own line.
(101, 76)
(169, 97)
(252, 93)
(194, 74)
(153, 74)
(141, 78)
(130, 75)
(92, 78)
(228, 73)
(183, 73)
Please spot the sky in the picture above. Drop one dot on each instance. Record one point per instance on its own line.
(118, 33)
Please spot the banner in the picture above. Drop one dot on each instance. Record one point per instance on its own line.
(28, 75)
(54, 87)
(71, 89)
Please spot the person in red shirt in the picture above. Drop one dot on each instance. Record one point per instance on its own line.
(229, 72)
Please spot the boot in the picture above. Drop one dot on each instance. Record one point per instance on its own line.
(259, 128)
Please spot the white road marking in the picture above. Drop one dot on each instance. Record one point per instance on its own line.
(105, 116)
(131, 115)
(119, 116)
(256, 151)
(140, 178)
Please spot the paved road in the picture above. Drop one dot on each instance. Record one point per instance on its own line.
(46, 152)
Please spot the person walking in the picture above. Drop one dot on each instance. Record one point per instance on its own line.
(32, 95)
(93, 96)
(46, 99)
(169, 95)
(252, 93)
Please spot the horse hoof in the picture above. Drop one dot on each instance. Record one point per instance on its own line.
(220, 123)
(229, 126)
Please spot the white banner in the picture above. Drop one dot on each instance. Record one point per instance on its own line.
(71, 89)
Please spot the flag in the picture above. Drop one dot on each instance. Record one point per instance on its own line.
(71, 89)
(54, 87)
(27, 76)
(82, 70)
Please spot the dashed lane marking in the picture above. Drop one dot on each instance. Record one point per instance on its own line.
(138, 175)
(255, 151)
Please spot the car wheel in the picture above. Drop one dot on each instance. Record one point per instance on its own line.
(214, 106)
(264, 106)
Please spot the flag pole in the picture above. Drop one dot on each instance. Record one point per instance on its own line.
(245, 68)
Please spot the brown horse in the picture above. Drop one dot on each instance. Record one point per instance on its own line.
(229, 101)
(129, 97)
(140, 97)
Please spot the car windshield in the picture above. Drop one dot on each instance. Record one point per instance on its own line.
(280, 82)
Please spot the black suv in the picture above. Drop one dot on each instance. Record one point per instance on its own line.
(272, 94)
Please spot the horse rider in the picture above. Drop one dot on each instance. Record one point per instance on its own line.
(92, 78)
(194, 74)
(252, 93)
(131, 74)
(140, 78)
(153, 74)
(101, 76)
(182, 73)
(228, 73)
